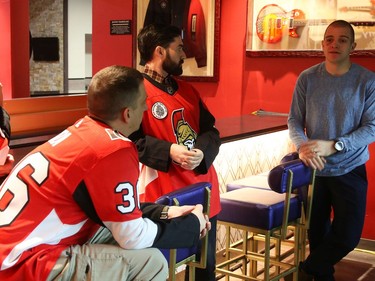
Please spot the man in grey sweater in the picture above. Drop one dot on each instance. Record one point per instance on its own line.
(332, 122)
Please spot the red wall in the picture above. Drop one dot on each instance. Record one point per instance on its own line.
(14, 48)
(5, 51)
(269, 82)
(369, 229)
(110, 49)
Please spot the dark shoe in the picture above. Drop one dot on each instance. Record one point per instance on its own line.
(302, 276)
(325, 278)
(288, 277)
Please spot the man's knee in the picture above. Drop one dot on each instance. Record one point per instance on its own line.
(158, 260)
(157, 255)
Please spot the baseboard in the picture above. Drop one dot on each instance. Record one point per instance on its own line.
(366, 244)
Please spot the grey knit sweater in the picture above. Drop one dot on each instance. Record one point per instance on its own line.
(328, 107)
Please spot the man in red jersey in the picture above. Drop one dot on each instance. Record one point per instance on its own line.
(70, 209)
(178, 141)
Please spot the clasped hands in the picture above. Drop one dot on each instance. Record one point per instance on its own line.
(187, 159)
(313, 153)
(197, 210)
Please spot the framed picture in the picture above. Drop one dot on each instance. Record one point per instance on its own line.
(199, 21)
(296, 28)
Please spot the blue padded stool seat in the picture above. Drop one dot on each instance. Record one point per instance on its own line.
(257, 208)
(259, 181)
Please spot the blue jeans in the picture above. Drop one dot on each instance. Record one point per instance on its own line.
(331, 240)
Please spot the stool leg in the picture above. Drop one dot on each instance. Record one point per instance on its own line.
(253, 248)
(191, 273)
(172, 263)
(299, 245)
(278, 254)
(303, 243)
(254, 262)
(267, 256)
(227, 251)
(244, 252)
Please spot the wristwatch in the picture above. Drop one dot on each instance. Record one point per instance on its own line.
(164, 213)
(339, 145)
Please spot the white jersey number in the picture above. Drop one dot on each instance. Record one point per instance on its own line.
(14, 194)
(128, 198)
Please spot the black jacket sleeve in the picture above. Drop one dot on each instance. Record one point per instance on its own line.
(5, 123)
(208, 139)
(181, 232)
(152, 152)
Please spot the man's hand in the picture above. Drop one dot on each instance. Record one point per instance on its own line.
(205, 224)
(312, 153)
(178, 211)
(187, 159)
(197, 210)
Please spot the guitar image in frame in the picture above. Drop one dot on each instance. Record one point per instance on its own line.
(273, 23)
(366, 9)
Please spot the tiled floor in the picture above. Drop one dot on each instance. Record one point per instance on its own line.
(359, 265)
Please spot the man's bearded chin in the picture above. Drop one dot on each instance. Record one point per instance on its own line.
(172, 68)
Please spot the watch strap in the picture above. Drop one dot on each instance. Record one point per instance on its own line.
(164, 213)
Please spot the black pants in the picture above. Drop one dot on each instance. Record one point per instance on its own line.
(208, 273)
(331, 240)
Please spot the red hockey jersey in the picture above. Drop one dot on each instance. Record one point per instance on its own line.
(174, 118)
(60, 185)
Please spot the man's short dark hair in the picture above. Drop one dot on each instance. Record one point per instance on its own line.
(112, 89)
(343, 23)
(154, 35)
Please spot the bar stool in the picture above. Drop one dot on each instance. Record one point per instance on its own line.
(198, 193)
(272, 216)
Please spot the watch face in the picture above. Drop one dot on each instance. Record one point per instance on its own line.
(339, 146)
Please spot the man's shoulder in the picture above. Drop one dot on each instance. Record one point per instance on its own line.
(363, 70)
(317, 68)
(98, 136)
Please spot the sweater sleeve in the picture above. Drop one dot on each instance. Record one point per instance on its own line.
(296, 118)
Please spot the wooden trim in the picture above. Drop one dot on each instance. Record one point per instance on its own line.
(44, 115)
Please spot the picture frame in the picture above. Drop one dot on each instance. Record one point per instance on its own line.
(296, 28)
(200, 23)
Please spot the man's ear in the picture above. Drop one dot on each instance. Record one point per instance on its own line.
(126, 114)
(159, 51)
(354, 44)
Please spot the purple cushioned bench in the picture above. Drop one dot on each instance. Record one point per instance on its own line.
(256, 207)
(259, 181)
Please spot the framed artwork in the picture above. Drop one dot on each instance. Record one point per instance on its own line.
(199, 21)
(296, 28)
